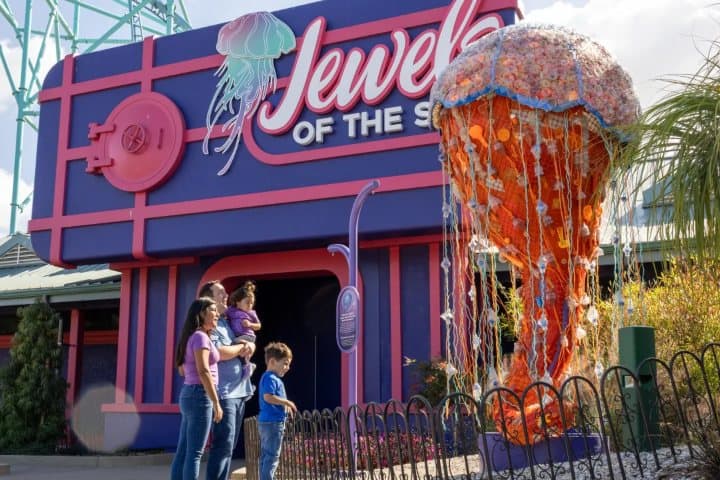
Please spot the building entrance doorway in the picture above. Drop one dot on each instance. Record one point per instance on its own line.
(300, 311)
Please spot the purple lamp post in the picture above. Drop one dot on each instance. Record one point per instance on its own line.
(347, 310)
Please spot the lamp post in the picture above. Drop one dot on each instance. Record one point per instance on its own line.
(348, 309)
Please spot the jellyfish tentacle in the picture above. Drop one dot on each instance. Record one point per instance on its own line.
(248, 99)
(255, 77)
(217, 108)
(242, 83)
(227, 86)
(234, 126)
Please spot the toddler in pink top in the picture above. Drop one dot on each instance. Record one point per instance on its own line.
(243, 320)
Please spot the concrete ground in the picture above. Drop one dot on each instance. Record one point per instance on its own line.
(150, 467)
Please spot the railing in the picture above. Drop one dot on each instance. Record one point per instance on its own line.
(623, 425)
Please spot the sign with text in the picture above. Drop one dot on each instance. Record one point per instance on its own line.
(271, 120)
(347, 319)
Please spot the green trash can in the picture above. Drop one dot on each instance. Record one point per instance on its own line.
(637, 344)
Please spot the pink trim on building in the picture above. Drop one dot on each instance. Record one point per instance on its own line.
(395, 325)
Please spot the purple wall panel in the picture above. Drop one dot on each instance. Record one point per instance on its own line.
(155, 328)
(415, 309)
(374, 268)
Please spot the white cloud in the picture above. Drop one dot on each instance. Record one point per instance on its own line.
(13, 56)
(651, 39)
(5, 200)
(228, 10)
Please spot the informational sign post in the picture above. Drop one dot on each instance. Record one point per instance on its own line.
(347, 317)
(347, 307)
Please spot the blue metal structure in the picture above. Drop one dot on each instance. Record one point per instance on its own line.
(58, 29)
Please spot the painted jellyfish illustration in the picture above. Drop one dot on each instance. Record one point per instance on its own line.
(530, 117)
(250, 44)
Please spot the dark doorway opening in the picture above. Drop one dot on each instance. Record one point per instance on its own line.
(299, 311)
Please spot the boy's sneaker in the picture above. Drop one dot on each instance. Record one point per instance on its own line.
(248, 370)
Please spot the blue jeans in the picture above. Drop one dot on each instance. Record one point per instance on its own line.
(271, 435)
(196, 410)
(225, 437)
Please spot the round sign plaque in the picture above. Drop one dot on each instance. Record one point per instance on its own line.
(347, 317)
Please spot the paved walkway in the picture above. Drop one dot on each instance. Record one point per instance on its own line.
(93, 468)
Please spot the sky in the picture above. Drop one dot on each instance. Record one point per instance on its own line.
(652, 39)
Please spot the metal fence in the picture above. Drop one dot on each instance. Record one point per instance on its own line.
(623, 425)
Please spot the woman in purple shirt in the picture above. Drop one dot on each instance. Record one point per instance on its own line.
(196, 358)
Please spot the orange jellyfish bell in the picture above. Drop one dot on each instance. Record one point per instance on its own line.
(530, 118)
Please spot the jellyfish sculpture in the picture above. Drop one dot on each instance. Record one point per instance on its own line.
(530, 117)
(250, 44)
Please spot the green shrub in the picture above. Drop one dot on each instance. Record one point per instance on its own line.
(32, 390)
(430, 380)
(684, 307)
(682, 304)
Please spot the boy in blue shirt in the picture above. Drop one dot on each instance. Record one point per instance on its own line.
(274, 407)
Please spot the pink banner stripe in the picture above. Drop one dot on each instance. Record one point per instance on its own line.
(139, 408)
(434, 292)
(123, 335)
(395, 324)
(276, 197)
(140, 338)
(138, 231)
(74, 346)
(61, 167)
(169, 373)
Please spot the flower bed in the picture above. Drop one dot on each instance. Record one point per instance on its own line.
(375, 450)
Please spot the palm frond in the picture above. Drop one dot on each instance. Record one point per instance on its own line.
(676, 143)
